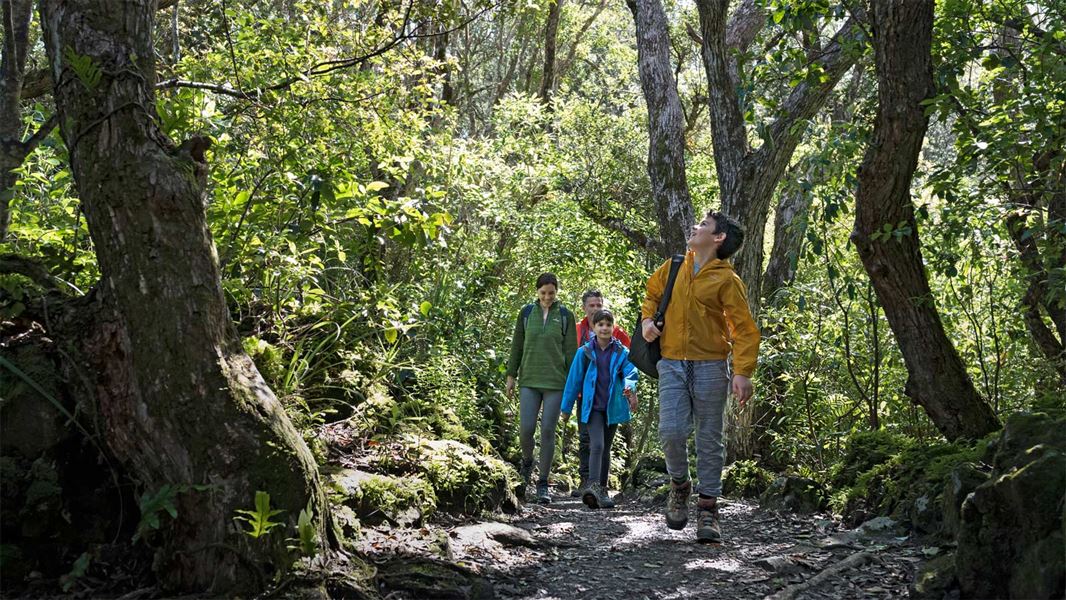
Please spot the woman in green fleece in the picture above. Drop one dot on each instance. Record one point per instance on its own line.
(545, 339)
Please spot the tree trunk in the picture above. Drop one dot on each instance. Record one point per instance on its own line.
(937, 379)
(666, 125)
(551, 38)
(747, 179)
(182, 402)
(16, 26)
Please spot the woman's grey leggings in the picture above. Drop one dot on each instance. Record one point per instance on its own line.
(531, 400)
(600, 437)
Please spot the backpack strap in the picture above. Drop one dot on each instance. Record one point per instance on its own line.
(527, 310)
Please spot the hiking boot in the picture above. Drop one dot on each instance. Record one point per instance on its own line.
(526, 472)
(543, 497)
(596, 496)
(580, 489)
(677, 505)
(707, 529)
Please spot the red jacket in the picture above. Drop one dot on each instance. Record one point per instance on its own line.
(585, 333)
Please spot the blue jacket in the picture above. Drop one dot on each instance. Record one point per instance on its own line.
(582, 378)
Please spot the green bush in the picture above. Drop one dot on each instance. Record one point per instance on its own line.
(746, 479)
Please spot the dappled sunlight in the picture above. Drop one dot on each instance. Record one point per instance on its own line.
(722, 563)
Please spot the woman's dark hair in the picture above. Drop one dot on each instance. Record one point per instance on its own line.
(603, 315)
(546, 278)
(734, 233)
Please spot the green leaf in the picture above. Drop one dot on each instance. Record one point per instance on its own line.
(391, 335)
(425, 307)
(779, 15)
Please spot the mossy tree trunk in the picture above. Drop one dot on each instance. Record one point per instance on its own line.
(937, 378)
(181, 401)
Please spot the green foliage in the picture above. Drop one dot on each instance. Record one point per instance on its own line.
(77, 571)
(746, 479)
(84, 68)
(866, 450)
(307, 532)
(153, 504)
(258, 520)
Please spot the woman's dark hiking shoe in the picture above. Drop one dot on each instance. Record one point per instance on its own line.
(596, 496)
(543, 497)
(677, 505)
(708, 531)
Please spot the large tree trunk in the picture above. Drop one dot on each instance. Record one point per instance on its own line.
(182, 402)
(937, 379)
(666, 127)
(551, 38)
(747, 179)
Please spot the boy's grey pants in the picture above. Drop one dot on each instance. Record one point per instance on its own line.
(693, 390)
(530, 401)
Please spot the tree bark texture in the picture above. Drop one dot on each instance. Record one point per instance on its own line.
(666, 127)
(551, 39)
(16, 26)
(937, 379)
(182, 402)
(747, 179)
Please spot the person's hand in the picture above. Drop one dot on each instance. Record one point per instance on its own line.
(509, 386)
(650, 331)
(742, 388)
(631, 395)
(566, 418)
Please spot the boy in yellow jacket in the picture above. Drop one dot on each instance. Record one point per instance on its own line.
(706, 320)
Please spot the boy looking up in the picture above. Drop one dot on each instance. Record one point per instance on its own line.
(706, 320)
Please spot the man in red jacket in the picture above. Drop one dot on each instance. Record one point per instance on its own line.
(591, 302)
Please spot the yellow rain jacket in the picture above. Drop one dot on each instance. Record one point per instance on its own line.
(708, 315)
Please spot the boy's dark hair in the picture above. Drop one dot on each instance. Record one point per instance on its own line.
(734, 233)
(593, 293)
(603, 315)
(545, 279)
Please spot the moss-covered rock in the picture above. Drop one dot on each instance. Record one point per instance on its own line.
(745, 479)
(961, 482)
(907, 487)
(464, 480)
(935, 578)
(866, 450)
(404, 501)
(794, 494)
(1011, 534)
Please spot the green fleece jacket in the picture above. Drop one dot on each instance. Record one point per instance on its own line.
(541, 351)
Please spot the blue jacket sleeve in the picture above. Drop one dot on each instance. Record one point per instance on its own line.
(630, 374)
(574, 381)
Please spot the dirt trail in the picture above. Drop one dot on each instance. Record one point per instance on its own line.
(565, 550)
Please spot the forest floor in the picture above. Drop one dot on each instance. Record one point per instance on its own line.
(565, 550)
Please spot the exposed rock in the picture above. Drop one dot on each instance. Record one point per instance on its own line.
(880, 526)
(794, 494)
(1011, 539)
(502, 533)
(403, 501)
(962, 481)
(416, 577)
(935, 578)
(464, 480)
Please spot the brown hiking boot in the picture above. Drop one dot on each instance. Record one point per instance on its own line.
(708, 530)
(677, 505)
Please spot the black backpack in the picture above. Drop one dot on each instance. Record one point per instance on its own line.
(645, 355)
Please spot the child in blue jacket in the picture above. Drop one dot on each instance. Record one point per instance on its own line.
(601, 371)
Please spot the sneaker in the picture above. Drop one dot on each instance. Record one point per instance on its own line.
(589, 497)
(543, 497)
(677, 505)
(580, 489)
(708, 530)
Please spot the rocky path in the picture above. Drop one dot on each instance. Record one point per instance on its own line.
(564, 550)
